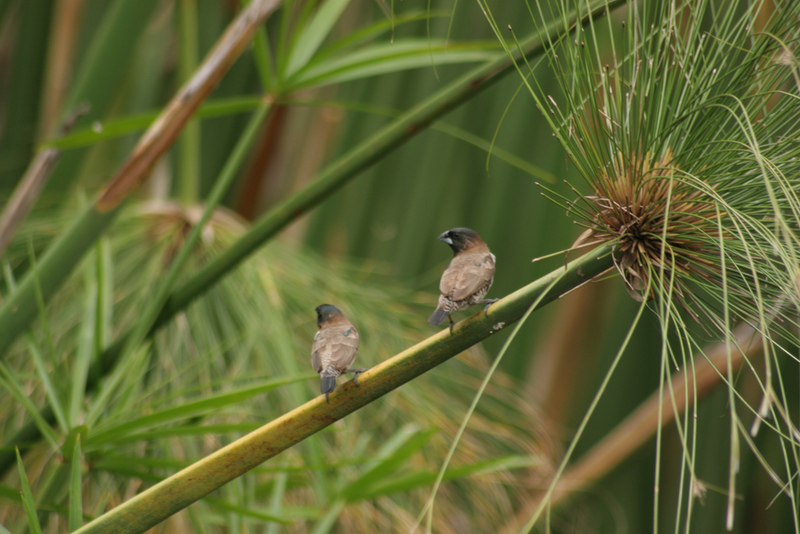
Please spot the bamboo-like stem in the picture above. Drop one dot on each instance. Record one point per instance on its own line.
(20, 308)
(710, 369)
(189, 142)
(199, 479)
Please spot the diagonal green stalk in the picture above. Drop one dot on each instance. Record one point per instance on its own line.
(189, 142)
(199, 479)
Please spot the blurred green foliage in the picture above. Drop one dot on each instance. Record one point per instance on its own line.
(239, 355)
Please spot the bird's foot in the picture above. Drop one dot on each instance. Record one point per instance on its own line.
(356, 372)
(488, 302)
(326, 398)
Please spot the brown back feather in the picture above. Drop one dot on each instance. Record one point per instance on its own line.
(335, 345)
(467, 273)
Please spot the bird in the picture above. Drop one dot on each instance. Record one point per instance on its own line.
(335, 347)
(468, 277)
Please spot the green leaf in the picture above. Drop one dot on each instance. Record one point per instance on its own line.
(329, 519)
(495, 151)
(115, 128)
(229, 507)
(68, 450)
(10, 493)
(10, 383)
(43, 367)
(192, 430)
(425, 478)
(372, 31)
(75, 494)
(410, 444)
(312, 36)
(191, 409)
(383, 58)
(88, 336)
(27, 498)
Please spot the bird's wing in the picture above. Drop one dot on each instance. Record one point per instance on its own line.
(467, 274)
(320, 340)
(335, 345)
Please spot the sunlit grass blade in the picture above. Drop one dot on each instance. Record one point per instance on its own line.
(54, 396)
(119, 127)
(91, 332)
(247, 512)
(368, 33)
(383, 58)
(328, 521)
(411, 444)
(75, 487)
(10, 382)
(189, 410)
(422, 479)
(27, 498)
(308, 41)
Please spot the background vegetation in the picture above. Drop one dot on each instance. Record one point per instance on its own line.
(102, 403)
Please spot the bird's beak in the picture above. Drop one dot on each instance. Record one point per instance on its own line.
(445, 239)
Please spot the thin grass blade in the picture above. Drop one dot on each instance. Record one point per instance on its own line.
(27, 498)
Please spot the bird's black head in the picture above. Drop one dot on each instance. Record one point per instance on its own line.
(460, 239)
(325, 312)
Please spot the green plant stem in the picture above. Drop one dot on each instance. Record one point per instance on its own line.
(199, 479)
(189, 142)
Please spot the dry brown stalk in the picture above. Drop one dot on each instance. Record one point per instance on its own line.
(169, 124)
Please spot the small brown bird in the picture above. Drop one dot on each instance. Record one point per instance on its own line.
(468, 277)
(335, 347)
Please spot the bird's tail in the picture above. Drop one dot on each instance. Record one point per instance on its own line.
(437, 317)
(328, 375)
